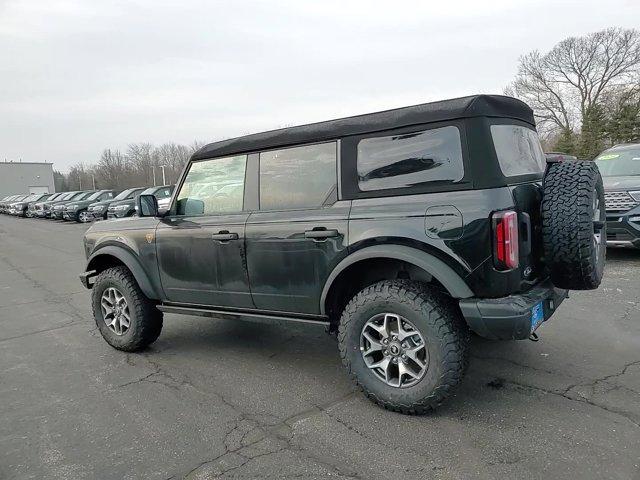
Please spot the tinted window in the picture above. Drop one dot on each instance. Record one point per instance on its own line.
(127, 193)
(96, 195)
(518, 149)
(399, 161)
(213, 186)
(163, 193)
(297, 177)
(158, 192)
(619, 161)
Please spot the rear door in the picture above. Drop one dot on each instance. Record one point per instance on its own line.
(200, 244)
(299, 233)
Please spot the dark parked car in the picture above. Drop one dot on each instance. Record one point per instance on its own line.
(32, 210)
(19, 208)
(43, 209)
(620, 168)
(127, 207)
(401, 230)
(4, 203)
(162, 194)
(559, 156)
(78, 210)
(57, 208)
(99, 209)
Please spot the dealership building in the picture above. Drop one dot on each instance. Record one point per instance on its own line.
(26, 177)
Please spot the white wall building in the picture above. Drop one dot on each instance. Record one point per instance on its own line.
(26, 177)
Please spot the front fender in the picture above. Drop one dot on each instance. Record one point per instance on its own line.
(442, 272)
(131, 262)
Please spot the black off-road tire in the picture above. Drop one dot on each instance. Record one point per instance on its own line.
(573, 217)
(146, 319)
(440, 323)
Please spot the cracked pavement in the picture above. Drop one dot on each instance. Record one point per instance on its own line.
(236, 399)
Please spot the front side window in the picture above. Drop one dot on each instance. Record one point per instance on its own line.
(410, 159)
(213, 187)
(518, 149)
(298, 177)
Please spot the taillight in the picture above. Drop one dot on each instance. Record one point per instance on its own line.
(505, 231)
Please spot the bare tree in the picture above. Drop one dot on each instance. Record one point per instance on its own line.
(565, 84)
(136, 168)
(113, 169)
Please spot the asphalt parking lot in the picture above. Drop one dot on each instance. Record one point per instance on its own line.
(214, 398)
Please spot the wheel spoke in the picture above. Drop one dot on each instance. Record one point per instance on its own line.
(403, 369)
(384, 366)
(412, 353)
(374, 345)
(107, 308)
(383, 329)
(404, 334)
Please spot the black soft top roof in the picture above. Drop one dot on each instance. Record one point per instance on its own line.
(463, 107)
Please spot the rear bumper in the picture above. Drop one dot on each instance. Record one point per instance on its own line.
(510, 318)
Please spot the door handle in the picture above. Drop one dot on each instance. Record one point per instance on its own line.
(224, 236)
(320, 234)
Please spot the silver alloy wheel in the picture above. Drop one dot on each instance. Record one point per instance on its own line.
(115, 311)
(83, 216)
(394, 350)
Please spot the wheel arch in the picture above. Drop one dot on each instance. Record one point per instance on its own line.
(399, 258)
(111, 256)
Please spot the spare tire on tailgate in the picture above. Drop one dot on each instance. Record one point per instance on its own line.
(574, 224)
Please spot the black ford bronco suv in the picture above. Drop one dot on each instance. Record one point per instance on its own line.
(402, 230)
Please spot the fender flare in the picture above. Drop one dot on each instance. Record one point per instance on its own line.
(442, 272)
(131, 262)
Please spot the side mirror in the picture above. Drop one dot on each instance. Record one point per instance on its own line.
(147, 206)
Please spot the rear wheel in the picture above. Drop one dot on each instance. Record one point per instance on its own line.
(126, 318)
(574, 225)
(404, 344)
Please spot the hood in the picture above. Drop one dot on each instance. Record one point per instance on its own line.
(79, 202)
(131, 202)
(103, 202)
(628, 182)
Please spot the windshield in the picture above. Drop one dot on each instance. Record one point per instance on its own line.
(158, 192)
(83, 195)
(125, 193)
(619, 162)
(95, 195)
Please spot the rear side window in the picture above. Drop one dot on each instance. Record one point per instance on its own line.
(406, 160)
(299, 177)
(518, 149)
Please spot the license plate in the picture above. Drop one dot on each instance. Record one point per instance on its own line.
(537, 315)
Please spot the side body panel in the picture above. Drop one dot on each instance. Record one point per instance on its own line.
(287, 269)
(406, 220)
(196, 267)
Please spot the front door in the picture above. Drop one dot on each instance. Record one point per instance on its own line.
(200, 244)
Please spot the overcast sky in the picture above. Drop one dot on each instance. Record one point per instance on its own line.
(77, 76)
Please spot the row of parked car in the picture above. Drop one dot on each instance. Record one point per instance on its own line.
(83, 206)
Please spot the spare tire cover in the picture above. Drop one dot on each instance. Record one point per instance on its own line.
(574, 224)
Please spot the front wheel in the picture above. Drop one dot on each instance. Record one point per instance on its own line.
(404, 344)
(83, 217)
(126, 318)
